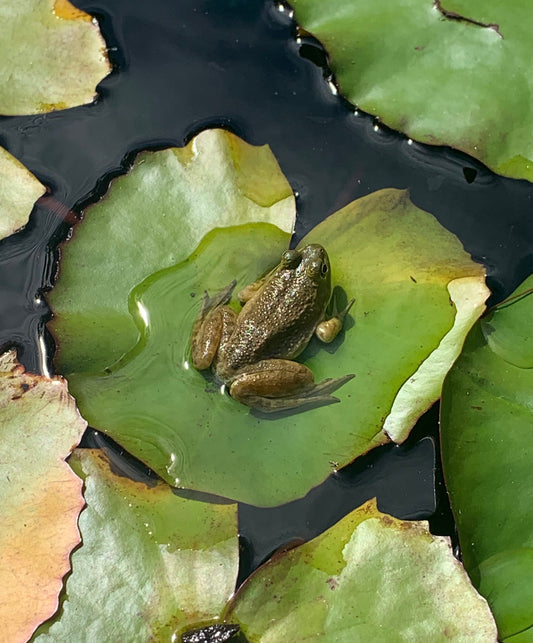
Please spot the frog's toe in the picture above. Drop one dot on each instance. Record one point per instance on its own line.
(342, 314)
(327, 386)
(280, 404)
(318, 395)
(220, 298)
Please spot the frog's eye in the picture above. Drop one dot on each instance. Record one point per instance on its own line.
(291, 258)
(324, 269)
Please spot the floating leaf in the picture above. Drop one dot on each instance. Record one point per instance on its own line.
(487, 450)
(507, 330)
(446, 73)
(20, 190)
(417, 292)
(394, 258)
(40, 497)
(370, 577)
(153, 218)
(52, 56)
(150, 563)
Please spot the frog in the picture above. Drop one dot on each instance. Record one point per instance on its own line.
(253, 351)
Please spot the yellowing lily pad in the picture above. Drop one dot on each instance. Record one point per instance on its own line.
(52, 56)
(447, 73)
(174, 418)
(487, 450)
(20, 190)
(153, 218)
(370, 577)
(40, 497)
(150, 562)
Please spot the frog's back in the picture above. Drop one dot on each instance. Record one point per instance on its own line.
(277, 323)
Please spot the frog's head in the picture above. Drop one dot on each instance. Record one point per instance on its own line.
(311, 262)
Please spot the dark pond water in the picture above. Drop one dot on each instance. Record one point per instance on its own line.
(180, 67)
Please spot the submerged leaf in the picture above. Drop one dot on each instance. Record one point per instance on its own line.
(395, 259)
(487, 450)
(370, 577)
(150, 219)
(447, 73)
(150, 564)
(19, 191)
(52, 56)
(40, 497)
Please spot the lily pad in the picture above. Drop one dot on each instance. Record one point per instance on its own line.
(370, 577)
(150, 219)
(508, 329)
(20, 190)
(471, 58)
(487, 450)
(52, 56)
(150, 562)
(40, 497)
(397, 261)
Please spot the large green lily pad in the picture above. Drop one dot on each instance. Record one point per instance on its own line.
(487, 450)
(150, 562)
(398, 262)
(451, 73)
(40, 497)
(52, 56)
(150, 219)
(20, 190)
(370, 577)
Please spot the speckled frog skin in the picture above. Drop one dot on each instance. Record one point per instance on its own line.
(253, 351)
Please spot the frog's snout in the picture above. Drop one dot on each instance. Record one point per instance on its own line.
(313, 268)
(315, 261)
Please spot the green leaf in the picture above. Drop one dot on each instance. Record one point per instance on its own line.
(175, 420)
(451, 73)
(417, 295)
(370, 577)
(52, 56)
(20, 190)
(522, 637)
(150, 563)
(487, 450)
(507, 329)
(40, 497)
(150, 219)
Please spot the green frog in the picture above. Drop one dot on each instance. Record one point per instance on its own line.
(253, 351)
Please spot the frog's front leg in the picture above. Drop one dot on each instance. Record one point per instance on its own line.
(249, 291)
(212, 327)
(328, 329)
(273, 385)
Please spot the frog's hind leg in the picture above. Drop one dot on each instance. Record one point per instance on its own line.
(212, 327)
(275, 385)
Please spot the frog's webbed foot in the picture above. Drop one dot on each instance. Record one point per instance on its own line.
(328, 329)
(220, 298)
(319, 395)
(277, 385)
